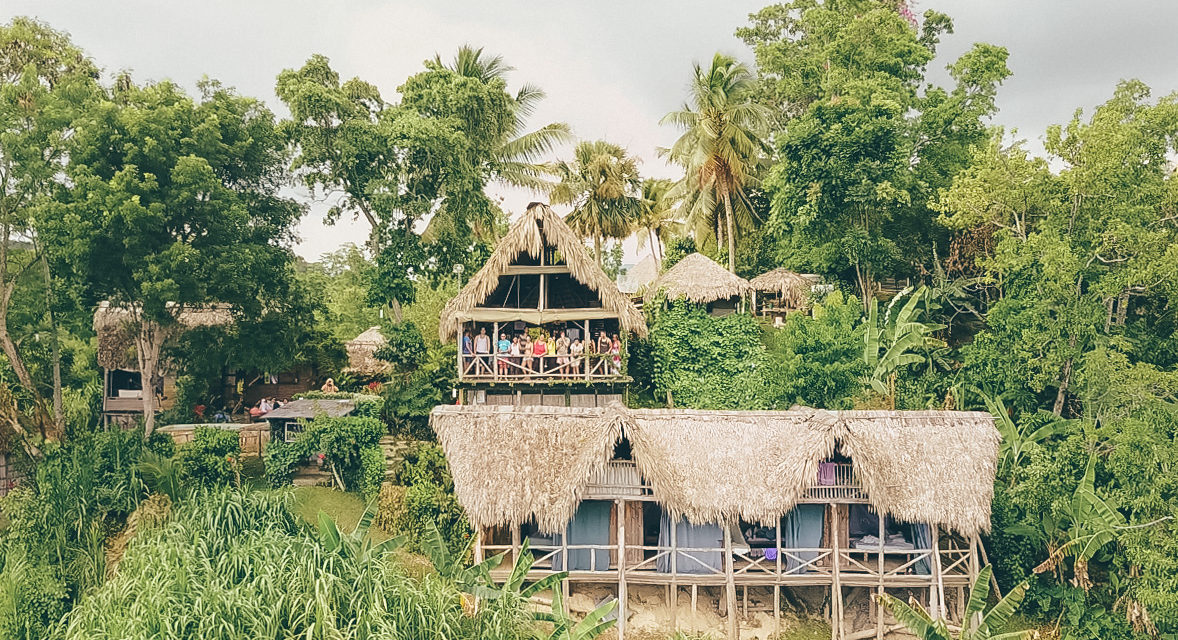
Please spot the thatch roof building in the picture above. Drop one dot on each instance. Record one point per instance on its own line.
(362, 352)
(934, 467)
(792, 289)
(116, 344)
(642, 274)
(538, 229)
(698, 279)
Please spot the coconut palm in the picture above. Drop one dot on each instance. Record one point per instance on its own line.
(656, 215)
(721, 147)
(602, 184)
(518, 155)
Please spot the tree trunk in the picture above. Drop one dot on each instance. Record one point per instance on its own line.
(1064, 380)
(149, 341)
(719, 232)
(597, 249)
(731, 232)
(396, 305)
(55, 346)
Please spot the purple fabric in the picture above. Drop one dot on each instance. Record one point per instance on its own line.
(826, 473)
(770, 554)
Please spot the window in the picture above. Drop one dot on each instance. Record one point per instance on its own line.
(291, 430)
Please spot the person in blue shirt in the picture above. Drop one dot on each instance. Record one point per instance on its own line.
(467, 351)
(504, 348)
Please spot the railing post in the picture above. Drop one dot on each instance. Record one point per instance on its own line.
(879, 613)
(730, 582)
(674, 575)
(620, 505)
(937, 567)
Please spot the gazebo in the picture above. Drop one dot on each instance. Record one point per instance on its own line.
(362, 350)
(783, 291)
(700, 280)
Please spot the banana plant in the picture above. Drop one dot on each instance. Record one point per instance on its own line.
(1017, 440)
(357, 545)
(978, 624)
(900, 339)
(591, 626)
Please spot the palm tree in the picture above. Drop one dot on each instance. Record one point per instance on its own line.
(656, 215)
(518, 155)
(721, 147)
(602, 184)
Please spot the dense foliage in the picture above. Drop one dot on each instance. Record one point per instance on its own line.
(348, 446)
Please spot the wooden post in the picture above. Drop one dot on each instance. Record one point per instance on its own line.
(478, 545)
(879, 613)
(675, 580)
(836, 599)
(620, 505)
(461, 370)
(730, 583)
(777, 586)
(515, 543)
(940, 574)
(588, 360)
(495, 350)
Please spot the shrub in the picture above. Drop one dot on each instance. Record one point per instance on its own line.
(342, 441)
(372, 468)
(210, 459)
(281, 459)
(390, 508)
(32, 598)
(426, 503)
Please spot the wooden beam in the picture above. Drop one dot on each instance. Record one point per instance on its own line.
(940, 573)
(531, 270)
(879, 613)
(675, 580)
(620, 505)
(730, 583)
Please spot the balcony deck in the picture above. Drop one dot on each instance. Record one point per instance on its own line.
(548, 368)
(620, 479)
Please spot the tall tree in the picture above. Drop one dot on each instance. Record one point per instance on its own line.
(44, 79)
(864, 141)
(602, 184)
(657, 215)
(722, 145)
(175, 206)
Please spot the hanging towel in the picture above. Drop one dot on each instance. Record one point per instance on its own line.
(826, 473)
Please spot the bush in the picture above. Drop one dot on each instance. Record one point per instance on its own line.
(390, 508)
(342, 441)
(428, 496)
(32, 598)
(211, 459)
(425, 463)
(281, 460)
(371, 472)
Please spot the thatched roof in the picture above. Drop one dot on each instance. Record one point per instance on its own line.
(642, 274)
(697, 278)
(794, 288)
(362, 352)
(515, 464)
(933, 466)
(116, 344)
(537, 228)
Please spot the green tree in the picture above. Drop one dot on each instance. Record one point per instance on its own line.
(657, 215)
(174, 206)
(864, 140)
(602, 184)
(721, 148)
(978, 624)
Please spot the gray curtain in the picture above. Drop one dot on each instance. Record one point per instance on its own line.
(689, 535)
(802, 528)
(922, 538)
(590, 525)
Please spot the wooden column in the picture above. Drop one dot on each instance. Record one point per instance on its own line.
(495, 350)
(879, 591)
(777, 585)
(730, 583)
(836, 589)
(620, 505)
(674, 604)
(515, 543)
(937, 568)
(478, 545)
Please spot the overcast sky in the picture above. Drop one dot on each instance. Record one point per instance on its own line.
(611, 68)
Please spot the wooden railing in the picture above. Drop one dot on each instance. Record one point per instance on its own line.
(499, 367)
(836, 483)
(618, 479)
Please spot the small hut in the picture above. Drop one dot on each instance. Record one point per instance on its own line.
(287, 421)
(540, 281)
(362, 350)
(781, 291)
(636, 279)
(851, 502)
(699, 280)
(123, 386)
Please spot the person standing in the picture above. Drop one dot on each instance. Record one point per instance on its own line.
(482, 350)
(576, 350)
(615, 351)
(515, 356)
(504, 350)
(603, 345)
(525, 348)
(539, 350)
(467, 352)
(562, 354)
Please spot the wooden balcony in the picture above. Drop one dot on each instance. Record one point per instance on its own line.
(837, 484)
(594, 367)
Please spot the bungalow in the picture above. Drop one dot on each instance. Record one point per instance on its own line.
(849, 503)
(699, 280)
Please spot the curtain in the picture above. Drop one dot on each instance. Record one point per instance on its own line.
(590, 525)
(689, 535)
(802, 528)
(922, 538)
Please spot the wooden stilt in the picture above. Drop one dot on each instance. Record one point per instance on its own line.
(515, 543)
(620, 505)
(940, 573)
(776, 610)
(675, 581)
(694, 599)
(836, 590)
(730, 584)
(879, 591)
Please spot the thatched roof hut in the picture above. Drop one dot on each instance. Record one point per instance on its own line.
(793, 288)
(537, 228)
(935, 467)
(362, 352)
(698, 279)
(116, 343)
(642, 274)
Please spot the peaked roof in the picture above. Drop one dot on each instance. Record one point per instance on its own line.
(697, 278)
(537, 228)
(643, 273)
(362, 352)
(793, 287)
(933, 467)
(116, 341)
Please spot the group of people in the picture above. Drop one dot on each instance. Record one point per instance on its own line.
(264, 406)
(522, 355)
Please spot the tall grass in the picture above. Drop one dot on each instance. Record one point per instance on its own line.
(232, 565)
